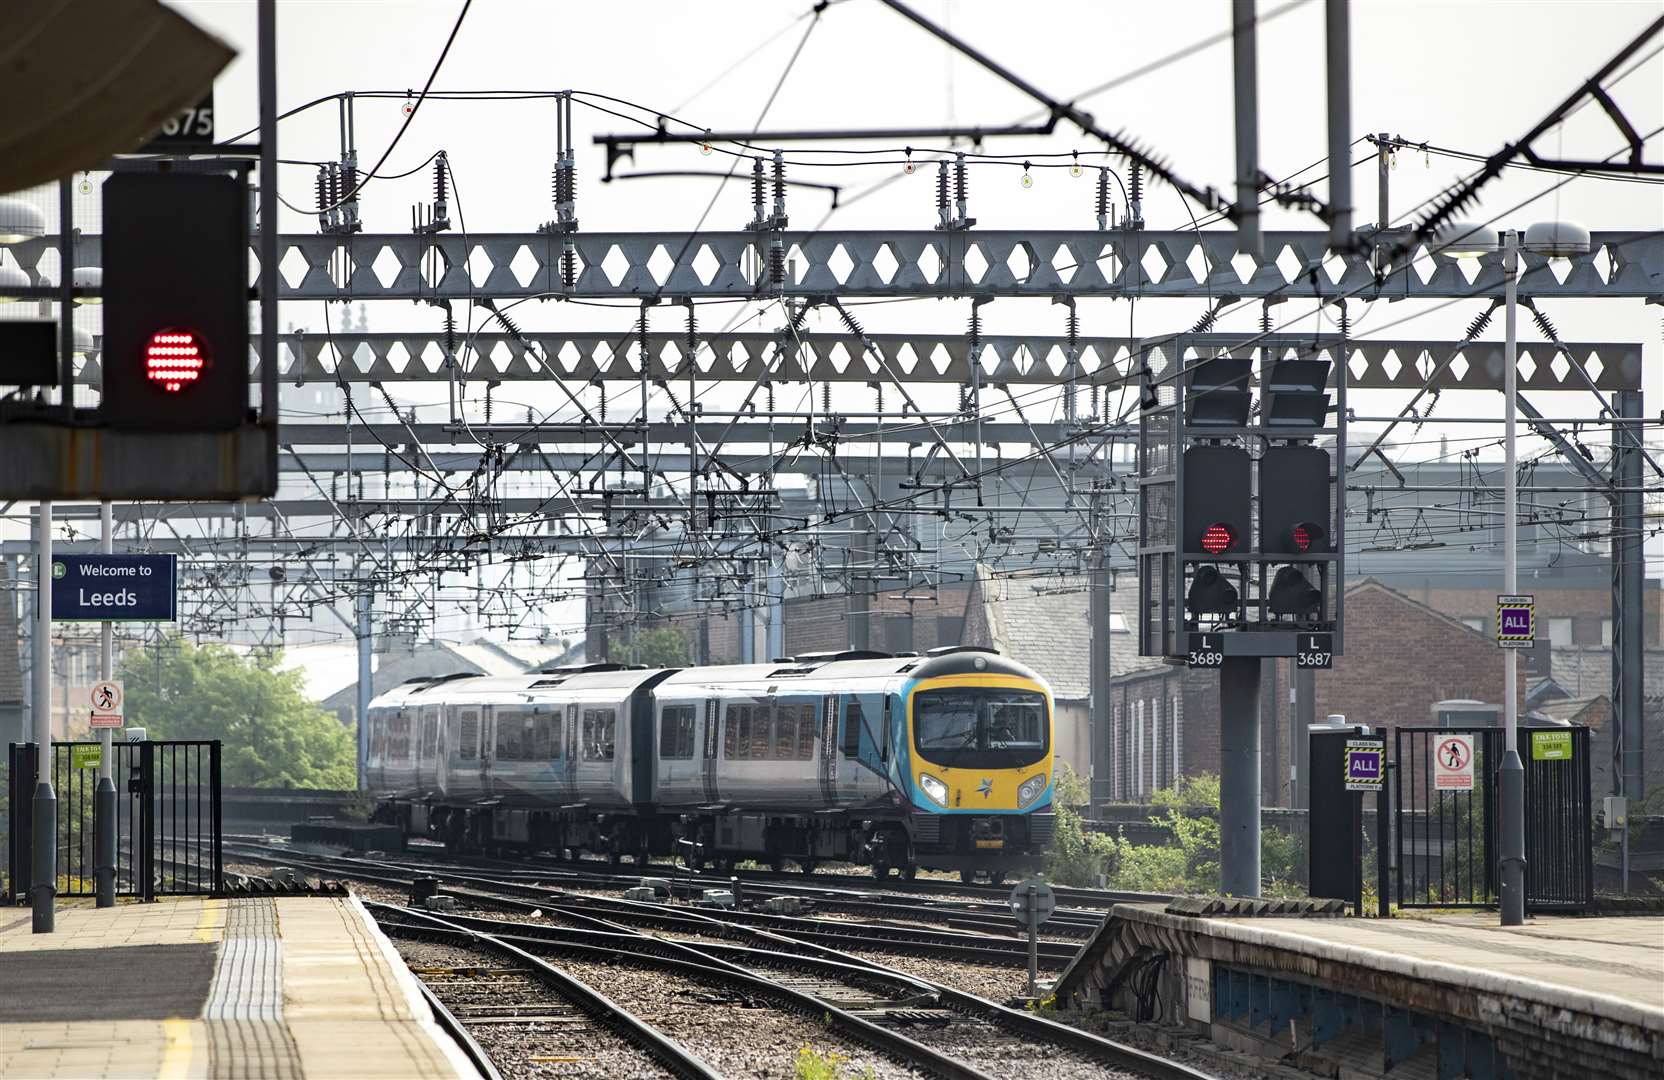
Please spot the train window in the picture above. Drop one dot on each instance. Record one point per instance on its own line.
(378, 735)
(761, 728)
(543, 733)
(730, 732)
(398, 736)
(1016, 721)
(785, 732)
(676, 733)
(884, 743)
(511, 734)
(468, 735)
(600, 726)
(805, 732)
(430, 732)
(853, 720)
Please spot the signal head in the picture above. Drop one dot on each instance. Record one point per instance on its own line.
(1218, 538)
(1306, 536)
(174, 359)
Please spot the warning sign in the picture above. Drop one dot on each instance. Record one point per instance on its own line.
(1453, 763)
(105, 698)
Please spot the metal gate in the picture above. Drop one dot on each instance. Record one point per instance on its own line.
(168, 839)
(1447, 840)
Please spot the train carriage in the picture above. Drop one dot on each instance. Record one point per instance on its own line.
(900, 762)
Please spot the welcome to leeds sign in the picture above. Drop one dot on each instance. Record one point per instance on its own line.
(117, 588)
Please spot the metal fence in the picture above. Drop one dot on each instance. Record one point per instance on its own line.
(167, 811)
(1447, 839)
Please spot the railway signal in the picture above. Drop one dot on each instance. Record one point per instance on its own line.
(176, 302)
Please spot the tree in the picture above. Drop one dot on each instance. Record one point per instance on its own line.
(661, 647)
(273, 735)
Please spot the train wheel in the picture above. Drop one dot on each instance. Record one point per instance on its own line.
(806, 865)
(642, 860)
(777, 863)
(880, 870)
(614, 860)
(967, 877)
(909, 872)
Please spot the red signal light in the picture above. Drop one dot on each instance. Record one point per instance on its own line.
(1302, 538)
(1217, 539)
(174, 359)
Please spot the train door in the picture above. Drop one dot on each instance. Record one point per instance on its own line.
(571, 748)
(826, 756)
(488, 747)
(713, 722)
(427, 757)
(465, 776)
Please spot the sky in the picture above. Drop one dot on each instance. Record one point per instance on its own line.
(1465, 75)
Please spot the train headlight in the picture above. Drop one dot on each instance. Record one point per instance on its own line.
(933, 787)
(1032, 789)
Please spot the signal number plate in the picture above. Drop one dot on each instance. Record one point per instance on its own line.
(1315, 651)
(1206, 651)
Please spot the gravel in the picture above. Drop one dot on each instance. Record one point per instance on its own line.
(738, 1036)
(568, 1045)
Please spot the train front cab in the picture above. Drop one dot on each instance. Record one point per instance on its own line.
(979, 758)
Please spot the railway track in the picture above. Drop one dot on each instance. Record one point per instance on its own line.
(974, 947)
(919, 1023)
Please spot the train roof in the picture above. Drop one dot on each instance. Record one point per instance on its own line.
(814, 668)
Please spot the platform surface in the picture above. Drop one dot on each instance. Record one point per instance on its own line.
(288, 987)
(1611, 965)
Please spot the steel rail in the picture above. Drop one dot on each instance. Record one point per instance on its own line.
(878, 1038)
(455, 1029)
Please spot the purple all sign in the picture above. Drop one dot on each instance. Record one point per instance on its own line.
(1515, 622)
(1365, 764)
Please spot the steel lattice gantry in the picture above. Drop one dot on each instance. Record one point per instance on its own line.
(1111, 263)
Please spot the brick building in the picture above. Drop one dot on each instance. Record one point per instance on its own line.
(1402, 657)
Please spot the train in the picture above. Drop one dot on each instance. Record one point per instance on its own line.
(897, 762)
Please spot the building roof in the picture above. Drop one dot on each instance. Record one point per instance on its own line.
(1587, 670)
(1044, 622)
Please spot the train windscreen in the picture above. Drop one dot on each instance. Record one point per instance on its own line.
(980, 727)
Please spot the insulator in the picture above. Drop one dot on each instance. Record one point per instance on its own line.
(961, 181)
(693, 332)
(1544, 324)
(878, 398)
(440, 180)
(488, 387)
(964, 399)
(852, 322)
(826, 398)
(777, 263)
(1136, 194)
(1072, 328)
(1095, 389)
(974, 331)
(601, 387)
(1103, 199)
(779, 183)
(1477, 326)
(1345, 322)
(1069, 399)
(1265, 318)
(323, 198)
(450, 333)
(571, 184)
(556, 186)
(568, 264)
(1205, 323)
(942, 186)
(757, 186)
(768, 389)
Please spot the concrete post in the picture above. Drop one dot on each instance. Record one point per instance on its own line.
(362, 601)
(1245, 66)
(1239, 776)
(1099, 749)
(104, 798)
(1338, 20)
(43, 887)
(776, 639)
(1629, 571)
(1511, 789)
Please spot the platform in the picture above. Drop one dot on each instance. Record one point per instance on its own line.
(284, 987)
(1448, 994)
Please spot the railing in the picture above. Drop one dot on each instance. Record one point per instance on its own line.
(1447, 839)
(167, 819)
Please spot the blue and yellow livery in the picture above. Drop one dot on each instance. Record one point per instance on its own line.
(900, 762)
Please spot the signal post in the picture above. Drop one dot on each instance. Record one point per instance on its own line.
(1241, 538)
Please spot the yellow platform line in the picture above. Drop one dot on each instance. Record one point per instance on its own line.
(176, 1050)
